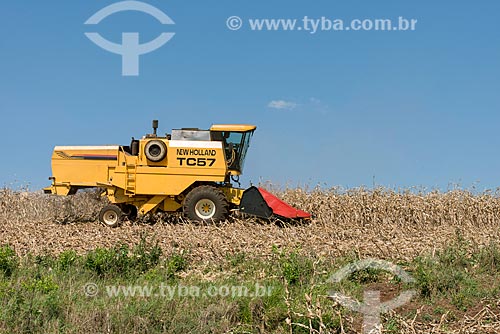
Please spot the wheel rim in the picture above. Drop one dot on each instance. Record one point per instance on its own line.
(110, 217)
(205, 208)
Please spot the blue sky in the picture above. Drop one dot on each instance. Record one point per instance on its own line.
(403, 108)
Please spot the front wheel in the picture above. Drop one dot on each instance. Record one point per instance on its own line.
(111, 216)
(205, 203)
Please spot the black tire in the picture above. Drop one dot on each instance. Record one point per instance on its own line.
(155, 150)
(205, 203)
(111, 216)
(130, 211)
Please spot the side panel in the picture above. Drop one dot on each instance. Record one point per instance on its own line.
(198, 157)
(83, 165)
(186, 162)
(168, 184)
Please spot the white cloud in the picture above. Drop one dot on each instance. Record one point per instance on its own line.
(282, 105)
(311, 104)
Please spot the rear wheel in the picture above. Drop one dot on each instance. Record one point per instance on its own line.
(111, 216)
(205, 203)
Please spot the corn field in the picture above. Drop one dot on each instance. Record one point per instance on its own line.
(380, 222)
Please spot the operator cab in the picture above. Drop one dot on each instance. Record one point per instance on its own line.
(236, 140)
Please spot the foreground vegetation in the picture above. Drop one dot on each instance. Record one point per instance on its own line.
(44, 293)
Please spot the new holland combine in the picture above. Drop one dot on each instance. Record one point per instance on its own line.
(189, 171)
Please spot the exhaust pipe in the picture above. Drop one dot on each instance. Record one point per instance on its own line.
(155, 126)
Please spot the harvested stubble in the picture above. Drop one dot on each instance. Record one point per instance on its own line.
(484, 321)
(381, 223)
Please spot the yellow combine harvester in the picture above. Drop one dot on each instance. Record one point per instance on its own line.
(189, 170)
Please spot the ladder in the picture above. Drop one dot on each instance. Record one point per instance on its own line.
(130, 177)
